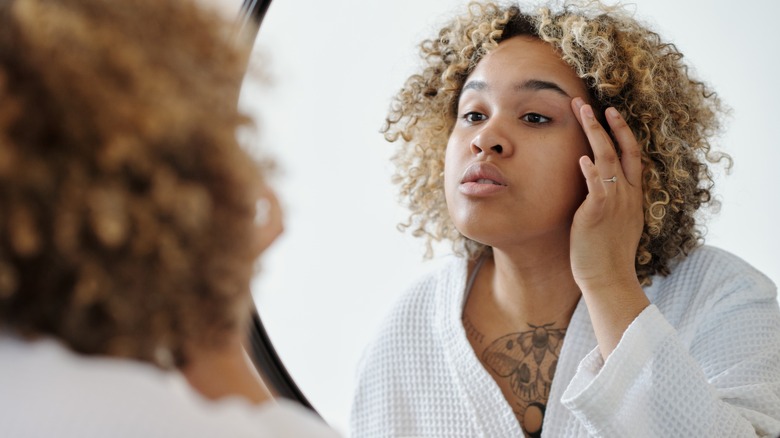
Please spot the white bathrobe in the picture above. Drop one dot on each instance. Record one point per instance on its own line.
(702, 361)
(46, 391)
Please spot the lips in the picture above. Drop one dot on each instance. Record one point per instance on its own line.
(482, 179)
(483, 173)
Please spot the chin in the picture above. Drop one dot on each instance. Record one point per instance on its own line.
(500, 234)
(481, 234)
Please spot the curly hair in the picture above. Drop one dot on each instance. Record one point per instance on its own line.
(622, 63)
(125, 200)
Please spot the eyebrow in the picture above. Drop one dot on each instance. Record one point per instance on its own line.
(531, 84)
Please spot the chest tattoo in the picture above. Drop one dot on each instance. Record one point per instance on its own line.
(472, 331)
(523, 364)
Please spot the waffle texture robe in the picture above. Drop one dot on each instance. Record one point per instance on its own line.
(48, 391)
(703, 360)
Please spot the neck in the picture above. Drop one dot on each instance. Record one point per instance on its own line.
(529, 284)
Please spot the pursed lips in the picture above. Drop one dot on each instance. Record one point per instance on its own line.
(482, 179)
(483, 173)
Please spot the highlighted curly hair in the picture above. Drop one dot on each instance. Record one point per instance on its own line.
(622, 63)
(125, 200)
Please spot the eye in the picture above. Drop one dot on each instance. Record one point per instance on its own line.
(535, 118)
(473, 117)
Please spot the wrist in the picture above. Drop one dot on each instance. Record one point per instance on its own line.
(612, 308)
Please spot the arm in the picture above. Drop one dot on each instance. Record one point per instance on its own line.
(643, 380)
(726, 383)
(607, 227)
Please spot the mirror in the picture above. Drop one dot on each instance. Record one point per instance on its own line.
(330, 279)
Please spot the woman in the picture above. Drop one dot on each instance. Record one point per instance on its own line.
(565, 153)
(129, 226)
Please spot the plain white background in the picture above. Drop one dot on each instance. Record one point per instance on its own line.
(333, 66)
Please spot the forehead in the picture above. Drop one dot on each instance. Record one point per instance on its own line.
(524, 58)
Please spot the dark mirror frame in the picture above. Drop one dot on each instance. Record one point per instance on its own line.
(259, 345)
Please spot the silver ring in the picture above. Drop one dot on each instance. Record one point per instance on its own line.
(612, 180)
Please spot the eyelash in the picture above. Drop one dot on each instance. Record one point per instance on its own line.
(468, 118)
(535, 116)
(468, 115)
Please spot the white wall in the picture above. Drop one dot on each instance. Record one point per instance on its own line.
(341, 263)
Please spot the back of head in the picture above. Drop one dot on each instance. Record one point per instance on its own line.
(125, 200)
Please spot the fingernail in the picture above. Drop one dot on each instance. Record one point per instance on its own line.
(612, 112)
(588, 111)
(579, 102)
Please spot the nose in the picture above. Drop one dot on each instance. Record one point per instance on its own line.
(491, 140)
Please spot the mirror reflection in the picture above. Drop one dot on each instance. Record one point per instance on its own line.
(341, 265)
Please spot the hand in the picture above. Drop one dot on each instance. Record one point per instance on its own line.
(607, 227)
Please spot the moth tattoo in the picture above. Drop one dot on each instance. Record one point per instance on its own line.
(528, 359)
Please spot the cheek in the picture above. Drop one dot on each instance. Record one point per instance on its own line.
(576, 146)
(572, 176)
(560, 170)
(580, 145)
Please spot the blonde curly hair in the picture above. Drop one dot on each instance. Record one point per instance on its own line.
(126, 203)
(622, 63)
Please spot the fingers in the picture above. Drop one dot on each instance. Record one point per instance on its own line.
(597, 192)
(631, 158)
(629, 166)
(603, 150)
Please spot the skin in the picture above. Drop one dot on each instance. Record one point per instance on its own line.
(225, 370)
(556, 236)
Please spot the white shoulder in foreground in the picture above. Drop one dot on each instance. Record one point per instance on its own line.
(48, 390)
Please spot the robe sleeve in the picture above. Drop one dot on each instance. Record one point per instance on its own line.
(723, 382)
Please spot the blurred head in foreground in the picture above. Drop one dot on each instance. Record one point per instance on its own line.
(127, 207)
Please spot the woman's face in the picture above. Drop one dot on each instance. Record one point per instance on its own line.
(511, 167)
